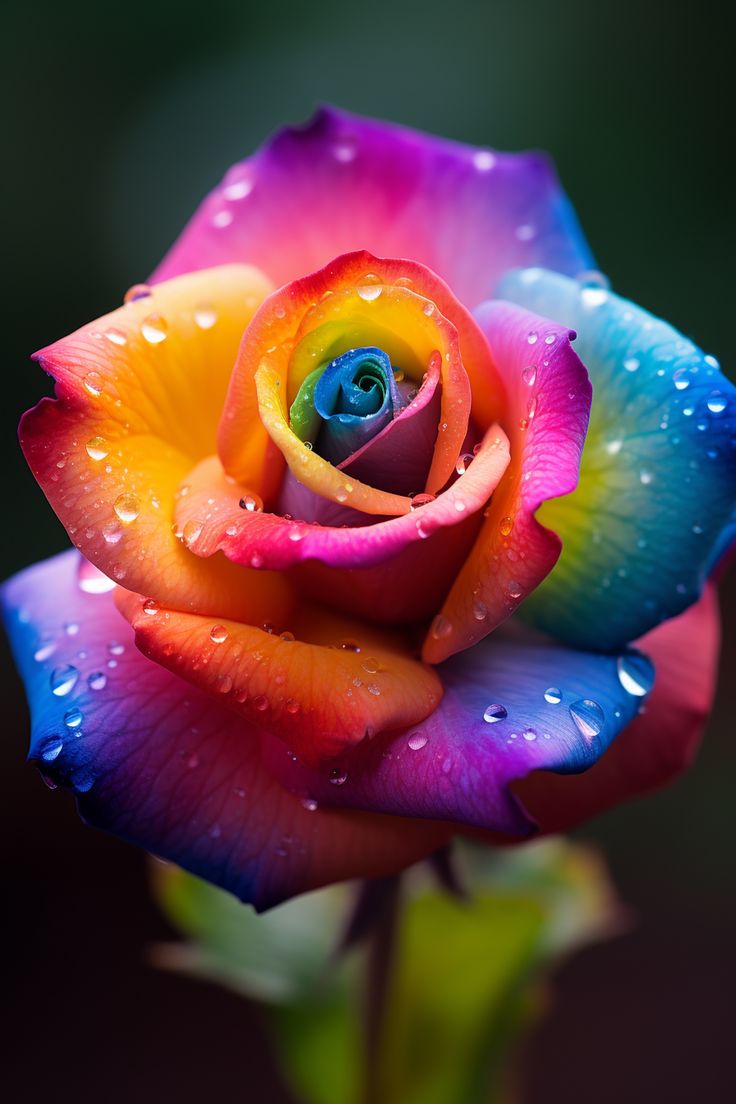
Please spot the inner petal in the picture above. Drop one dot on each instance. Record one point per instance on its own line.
(343, 404)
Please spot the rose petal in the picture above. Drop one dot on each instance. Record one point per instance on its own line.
(139, 394)
(343, 182)
(510, 706)
(658, 475)
(324, 684)
(548, 400)
(166, 767)
(658, 744)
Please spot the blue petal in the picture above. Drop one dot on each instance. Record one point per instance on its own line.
(163, 765)
(658, 475)
(356, 396)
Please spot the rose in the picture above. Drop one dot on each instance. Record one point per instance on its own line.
(317, 692)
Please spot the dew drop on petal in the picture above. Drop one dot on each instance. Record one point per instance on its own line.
(115, 336)
(205, 316)
(93, 383)
(137, 291)
(588, 717)
(73, 717)
(338, 776)
(495, 713)
(127, 507)
(417, 741)
(441, 627)
(553, 695)
(150, 606)
(154, 329)
(52, 749)
(635, 673)
(716, 402)
(218, 634)
(97, 448)
(93, 581)
(63, 679)
(97, 680)
(506, 524)
(529, 375)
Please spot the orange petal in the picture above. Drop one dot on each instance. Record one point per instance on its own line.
(335, 684)
(139, 394)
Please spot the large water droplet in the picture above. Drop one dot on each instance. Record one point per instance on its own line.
(63, 679)
(338, 776)
(52, 749)
(417, 741)
(205, 316)
(369, 292)
(716, 402)
(495, 713)
(73, 717)
(218, 634)
(127, 507)
(553, 695)
(97, 680)
(441, 627)
(588, 717)
(155, 329)
(635, 673)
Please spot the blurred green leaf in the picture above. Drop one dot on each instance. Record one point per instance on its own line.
(468, 976)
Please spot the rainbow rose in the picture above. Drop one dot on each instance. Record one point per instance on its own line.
(372, 488)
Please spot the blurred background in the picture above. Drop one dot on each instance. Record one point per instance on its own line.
(118, 119)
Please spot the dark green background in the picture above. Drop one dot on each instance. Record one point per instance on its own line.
(119, 118)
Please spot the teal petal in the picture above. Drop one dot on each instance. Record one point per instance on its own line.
(657, 488)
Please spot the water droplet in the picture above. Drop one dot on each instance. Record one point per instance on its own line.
(310, 804)
(345, 151)
(441, 627)
(529, 375)
(261, 703)
(645, 477)
(514, 589)
(506, 524)
(635, 673)
(631, 364)
(369, 292)
(63, 680)
(44, 650)
(553, 695)
(251, 503)
(115, 336)
(97, 680)
(222, 219)
(349, 646)
(532, 338)
(588, 717)
(205, 316)
(239, 189)
(549, 339)
(218, 634)
(127, 507)
(93, 383)
(191, 532)
(480, 610)
(97, 448)
(716, 402)
(92, 581)
(420, 500)
(484, 160)
(292, 706)
(613, 448)
(52, 749)
(223, 684)
(463, 462)
(495, 713)
(371, 665)
(529, 734)
(73, 717)
(137, 291)
(681, 378)
(150, 606)
(417, 741)
(71, 628)
(593, 297)
(338, 776)
(155, 329)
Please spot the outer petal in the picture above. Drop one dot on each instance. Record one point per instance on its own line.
(342, 183)
(547, 404)
(658, 475)
(323, 685)
(139, 394)
(510, 707)
(659, 743)
(165, 767)
(394, 570)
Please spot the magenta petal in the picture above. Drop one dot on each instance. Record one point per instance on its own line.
(159, 763)
(342, 183)
(511, 706)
